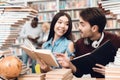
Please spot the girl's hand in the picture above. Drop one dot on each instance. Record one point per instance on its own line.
(44, 67)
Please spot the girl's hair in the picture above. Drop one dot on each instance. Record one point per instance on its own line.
(68, 34)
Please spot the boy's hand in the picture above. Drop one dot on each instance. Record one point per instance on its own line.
(99, 68)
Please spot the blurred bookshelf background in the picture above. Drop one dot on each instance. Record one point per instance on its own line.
(14, 14)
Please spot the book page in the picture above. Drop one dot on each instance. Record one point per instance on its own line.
(29, 44)
(47, 56)
(29, 52)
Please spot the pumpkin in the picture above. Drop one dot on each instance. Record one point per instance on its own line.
(10, 67)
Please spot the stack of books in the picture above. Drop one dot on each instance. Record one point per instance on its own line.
(32, 77)
(25, 70)
(59, 74)
(112, 70)
(12, 19)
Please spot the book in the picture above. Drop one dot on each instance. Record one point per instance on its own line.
(44, 54)
(112, 74)
(68, 77)
(31, 77)
(58, 73)
(102, 55)
(112, 70)
(111, 67)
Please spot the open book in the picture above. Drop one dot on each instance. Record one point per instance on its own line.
(102, 55)
(44, 54)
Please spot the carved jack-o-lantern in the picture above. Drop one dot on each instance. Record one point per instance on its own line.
(10, 67)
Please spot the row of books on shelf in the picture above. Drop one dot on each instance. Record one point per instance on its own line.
(73, 4)
(111, 20)
(113, 24)
(47, 16)
(63, 4)
(73, 14)
(41, 6)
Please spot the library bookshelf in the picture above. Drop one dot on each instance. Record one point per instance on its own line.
(72, 7)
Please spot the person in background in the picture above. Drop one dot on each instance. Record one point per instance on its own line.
(59, 39)
(91, 26)
(44, 34)
(30, 31)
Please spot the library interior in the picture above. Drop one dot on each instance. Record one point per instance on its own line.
(34, 34)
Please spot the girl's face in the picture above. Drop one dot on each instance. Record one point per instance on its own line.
(61, 26)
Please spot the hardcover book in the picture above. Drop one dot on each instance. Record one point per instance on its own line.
(102, 55)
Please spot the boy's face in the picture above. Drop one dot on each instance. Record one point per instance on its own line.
(85, 29)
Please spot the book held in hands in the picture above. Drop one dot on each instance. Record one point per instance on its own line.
(44, 54)
(102, 55)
